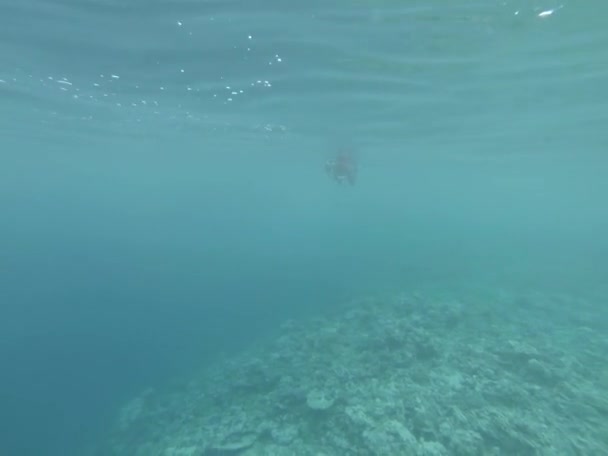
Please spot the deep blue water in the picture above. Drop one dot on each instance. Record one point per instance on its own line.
(162, 193)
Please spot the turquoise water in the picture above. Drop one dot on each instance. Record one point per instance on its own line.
(164, 203)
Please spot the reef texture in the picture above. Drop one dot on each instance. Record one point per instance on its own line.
(472, 373)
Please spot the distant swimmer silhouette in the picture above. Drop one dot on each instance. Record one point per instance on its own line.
(343, 168)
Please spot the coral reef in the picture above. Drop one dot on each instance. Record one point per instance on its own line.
(419, 374)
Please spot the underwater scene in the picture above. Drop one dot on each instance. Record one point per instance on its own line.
(321, 228)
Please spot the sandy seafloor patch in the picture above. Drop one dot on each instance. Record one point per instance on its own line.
(466, 373)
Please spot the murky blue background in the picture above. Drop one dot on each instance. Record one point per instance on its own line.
(162, 194)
